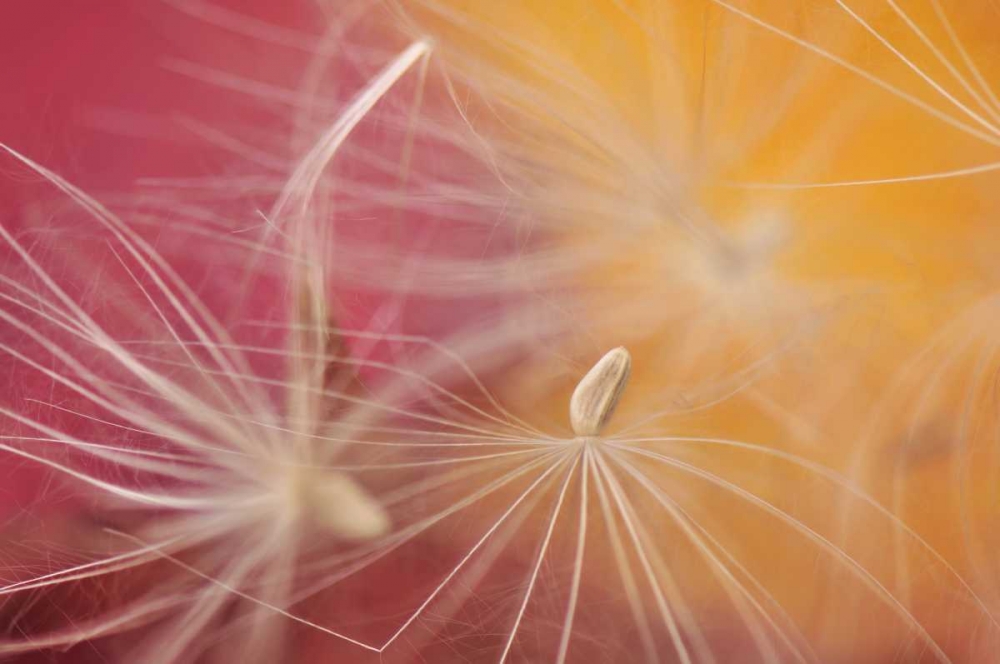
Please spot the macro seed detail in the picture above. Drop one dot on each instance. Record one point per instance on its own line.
(598, 392)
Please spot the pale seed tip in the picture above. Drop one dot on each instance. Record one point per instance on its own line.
(342, 507)
(598, 392)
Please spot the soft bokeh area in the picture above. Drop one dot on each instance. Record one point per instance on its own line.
(311, 364)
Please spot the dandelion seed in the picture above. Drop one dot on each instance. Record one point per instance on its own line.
(597, 394)
(342, 506)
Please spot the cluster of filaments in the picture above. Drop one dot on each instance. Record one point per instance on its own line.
(275, 499)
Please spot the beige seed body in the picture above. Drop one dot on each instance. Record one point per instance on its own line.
(341, 506)
(598, 392)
